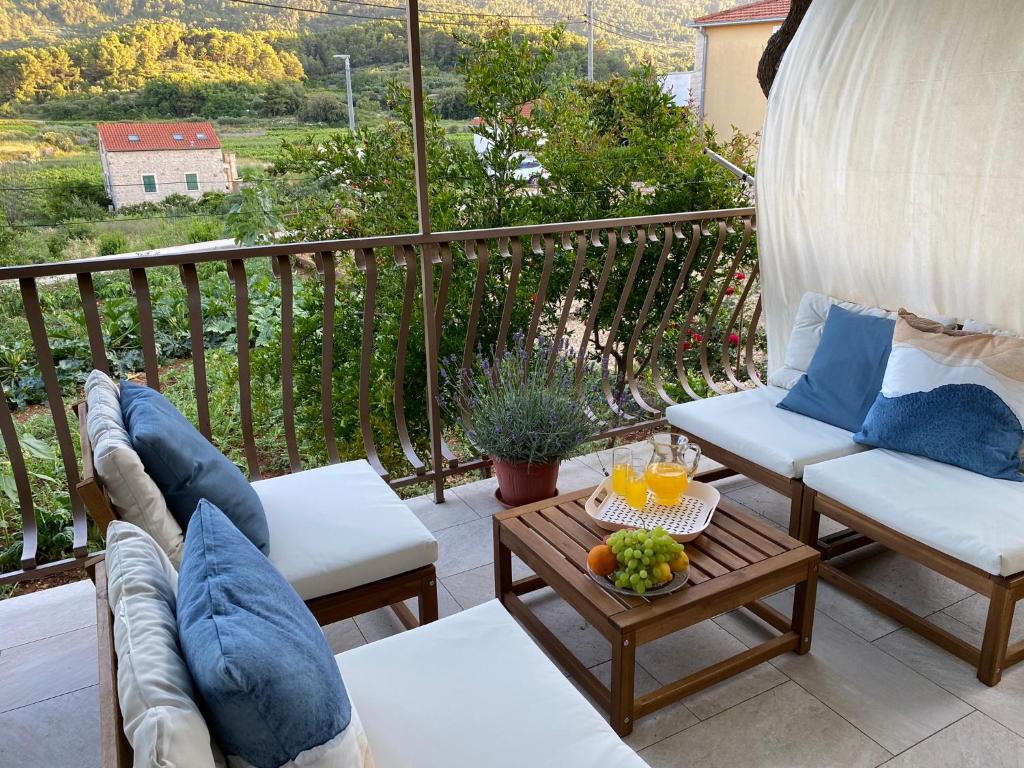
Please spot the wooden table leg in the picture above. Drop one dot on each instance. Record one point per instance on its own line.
(803, 608)
(623, 675)
(502, 564)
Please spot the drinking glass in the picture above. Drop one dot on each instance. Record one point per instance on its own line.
(622, 469)
(636, 486)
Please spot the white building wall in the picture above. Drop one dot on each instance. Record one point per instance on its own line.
(123, 172)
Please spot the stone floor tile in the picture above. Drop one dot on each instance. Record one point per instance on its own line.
(852, 613)
(782, 728)
(437, 517)
(677, 655)
(343, 636)
(62, 732)
(474, 587)
(572, 629)
(657, 725)
(479, 495)
(49, 612)
(910, 584)
(464, 547)
(974, 742)
(47, 668)
(773, 506)
(887, 700)
(728, 693)
(1004, 703)
(973, 611)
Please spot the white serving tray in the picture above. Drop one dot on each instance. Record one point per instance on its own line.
(683, 522)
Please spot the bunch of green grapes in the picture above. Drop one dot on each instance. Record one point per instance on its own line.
(644, 557)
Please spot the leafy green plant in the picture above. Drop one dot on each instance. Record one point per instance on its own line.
(522, 406)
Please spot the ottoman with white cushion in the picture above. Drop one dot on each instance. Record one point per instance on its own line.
(472, 690)
(341, 526)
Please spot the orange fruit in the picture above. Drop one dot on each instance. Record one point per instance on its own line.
(602, 560)
(681, 563)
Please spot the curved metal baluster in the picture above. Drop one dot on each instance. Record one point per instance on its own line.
(91, 312)
(404, 256)
(475, 250)
(237, 274)
(366, 262)
(12, 445)
(709, 271)
(510, 295)
(631, 379)
(755, 316)
(147, 335)
(190, 278)
(712, 318)
(609, 261)
(325, 266)
(609, 396)
(681, 280)
(542, 288)
(282, 266)
(54, 397)
(443, 254)
(736, 318)
(570, 292)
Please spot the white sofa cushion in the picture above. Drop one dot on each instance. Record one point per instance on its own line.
(339, 527)
(133, 494)
(808, 327)
(749, 424)
(474, 690)
(976, 519)
(161, 719)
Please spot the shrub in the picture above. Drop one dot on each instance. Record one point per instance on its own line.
(324, 108)
(202, 230)
(112, 242)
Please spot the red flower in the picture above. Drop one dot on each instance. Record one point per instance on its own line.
(686, 345)
(729, 291)
(533, 298)
(740, 276)
(696, 337)
(733, 339)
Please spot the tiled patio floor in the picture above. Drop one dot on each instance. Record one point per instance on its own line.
(869, 693)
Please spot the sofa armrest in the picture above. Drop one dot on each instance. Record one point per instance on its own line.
(90, 488)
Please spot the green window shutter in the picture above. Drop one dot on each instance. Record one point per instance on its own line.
(191, 182)
(149, 183)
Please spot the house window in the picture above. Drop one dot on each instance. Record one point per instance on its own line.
(201, 136)
(133, 137)
(178, 137)
(149, 183)
(191, 182)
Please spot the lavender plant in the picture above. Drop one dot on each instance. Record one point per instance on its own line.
(514, 410)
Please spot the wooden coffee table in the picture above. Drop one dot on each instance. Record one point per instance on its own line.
(738, 561)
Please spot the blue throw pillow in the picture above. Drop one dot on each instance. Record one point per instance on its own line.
(186, 467)
(267, 681)
(845, 374)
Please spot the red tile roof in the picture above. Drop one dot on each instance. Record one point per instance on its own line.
(115, 137)
(525, 111)
(762, 10)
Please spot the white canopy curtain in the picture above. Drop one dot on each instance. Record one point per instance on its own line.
(890, 169)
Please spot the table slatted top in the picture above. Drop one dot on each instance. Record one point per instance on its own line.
(736, 547)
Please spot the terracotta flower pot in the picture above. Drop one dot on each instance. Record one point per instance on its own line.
(523, 483)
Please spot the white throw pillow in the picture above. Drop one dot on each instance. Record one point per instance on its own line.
(132, 492)
(807, 330)
(161, 718)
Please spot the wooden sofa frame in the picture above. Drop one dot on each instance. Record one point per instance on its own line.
(996, 652)
(833, 545)
(420, 583)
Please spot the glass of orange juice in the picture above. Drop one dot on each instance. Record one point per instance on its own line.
(622, 469)
(636, 486)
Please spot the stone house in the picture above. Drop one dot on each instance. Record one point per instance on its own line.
(146, 162)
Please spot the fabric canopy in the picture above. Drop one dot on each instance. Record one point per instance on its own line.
(890, 162)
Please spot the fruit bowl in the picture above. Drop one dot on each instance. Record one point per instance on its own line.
(678, 581)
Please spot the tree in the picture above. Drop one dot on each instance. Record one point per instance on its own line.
(324, 108)
(283, 98)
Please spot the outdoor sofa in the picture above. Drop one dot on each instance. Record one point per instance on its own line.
(964, 525)
(469, 690)
(312, 516)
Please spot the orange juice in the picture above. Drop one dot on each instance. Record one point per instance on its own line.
(668, 482)
(620, 476)
(636, 490)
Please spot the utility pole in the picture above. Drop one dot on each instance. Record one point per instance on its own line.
(348, 89)
(590, 40)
